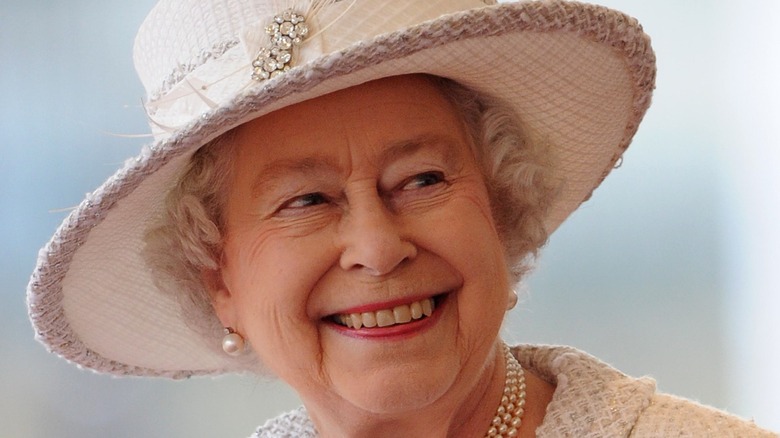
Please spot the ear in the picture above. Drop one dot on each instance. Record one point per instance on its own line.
(222, 300)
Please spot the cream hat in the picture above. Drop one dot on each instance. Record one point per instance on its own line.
(580, 75)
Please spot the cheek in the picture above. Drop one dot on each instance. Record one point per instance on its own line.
(474, 231)
(465, 235)
(270, 280)
(477, 249)
(272, 271)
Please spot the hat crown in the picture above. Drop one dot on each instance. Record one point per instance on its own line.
(194, 55)
(191, 29)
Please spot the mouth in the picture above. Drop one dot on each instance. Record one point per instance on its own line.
(396, 315)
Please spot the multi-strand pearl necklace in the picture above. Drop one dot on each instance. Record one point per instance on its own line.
(506, 422)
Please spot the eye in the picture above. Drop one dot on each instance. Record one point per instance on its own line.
(423, 180)
(303, 201)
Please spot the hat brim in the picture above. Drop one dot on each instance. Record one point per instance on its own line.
(581, 76)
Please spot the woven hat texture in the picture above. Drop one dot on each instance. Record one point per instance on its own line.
(579, 75)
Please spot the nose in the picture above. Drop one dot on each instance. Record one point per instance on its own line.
(372, 239)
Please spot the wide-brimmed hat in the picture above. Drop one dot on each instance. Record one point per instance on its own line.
(579, 75)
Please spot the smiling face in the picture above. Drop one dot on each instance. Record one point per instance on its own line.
(361, 260)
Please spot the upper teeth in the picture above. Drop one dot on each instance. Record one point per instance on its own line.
(387, 317)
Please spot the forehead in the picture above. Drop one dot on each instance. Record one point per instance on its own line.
(362, 119)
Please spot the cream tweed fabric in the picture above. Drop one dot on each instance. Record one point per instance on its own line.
(591, 399)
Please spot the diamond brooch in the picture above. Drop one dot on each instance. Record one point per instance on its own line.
(287, 30)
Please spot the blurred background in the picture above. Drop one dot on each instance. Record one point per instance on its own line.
(671, 270)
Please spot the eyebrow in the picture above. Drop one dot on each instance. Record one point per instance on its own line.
(442, 144)
(273, 171)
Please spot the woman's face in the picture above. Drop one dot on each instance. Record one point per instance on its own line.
(364, 207)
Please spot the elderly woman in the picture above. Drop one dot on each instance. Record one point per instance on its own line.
(342, 195)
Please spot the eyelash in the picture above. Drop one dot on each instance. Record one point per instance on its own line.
(307, 200)
(423, 178)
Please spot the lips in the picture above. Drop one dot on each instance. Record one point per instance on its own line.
(395, 315)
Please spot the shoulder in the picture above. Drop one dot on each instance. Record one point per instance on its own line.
(673, 416)
(593, 399)
(293, 424)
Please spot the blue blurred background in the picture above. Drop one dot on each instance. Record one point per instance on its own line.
(669, 271)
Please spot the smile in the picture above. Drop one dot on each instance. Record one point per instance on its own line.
(397, 315)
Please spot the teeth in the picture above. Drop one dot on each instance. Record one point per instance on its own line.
(369, 319)
(357, 321)
(427, 307)
(402, 314)
(416, 310)
(386, 317)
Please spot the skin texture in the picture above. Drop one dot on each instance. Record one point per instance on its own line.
(370, 196)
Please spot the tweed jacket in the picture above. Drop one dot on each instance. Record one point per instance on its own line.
(591, 399)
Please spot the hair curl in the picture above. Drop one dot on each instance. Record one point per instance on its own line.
(517, 167)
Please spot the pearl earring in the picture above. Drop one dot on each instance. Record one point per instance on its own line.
(232, 342)
(512, 301)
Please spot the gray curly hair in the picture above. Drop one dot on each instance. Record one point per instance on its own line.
(517, 170)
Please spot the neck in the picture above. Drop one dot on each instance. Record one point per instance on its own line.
(464, 410)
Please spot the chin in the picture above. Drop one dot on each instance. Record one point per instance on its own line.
(396, 391)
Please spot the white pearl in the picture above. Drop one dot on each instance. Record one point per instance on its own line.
(508, 418)
(233, 344)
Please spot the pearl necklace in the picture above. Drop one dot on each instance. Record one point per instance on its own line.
(506, 422)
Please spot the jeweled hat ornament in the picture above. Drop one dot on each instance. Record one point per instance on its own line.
(579, 76)
(287, 30)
